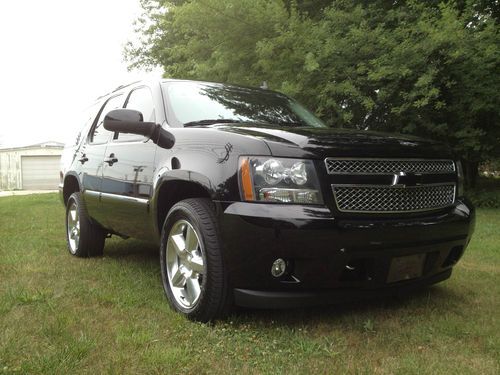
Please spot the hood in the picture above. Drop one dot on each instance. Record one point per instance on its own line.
(323, 142)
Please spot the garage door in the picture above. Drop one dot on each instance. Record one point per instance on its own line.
(40, 172)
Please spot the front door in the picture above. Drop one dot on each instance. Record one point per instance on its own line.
(128, 169)
(91, 157)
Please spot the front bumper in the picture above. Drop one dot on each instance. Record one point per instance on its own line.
(290, 299)
(333, 258)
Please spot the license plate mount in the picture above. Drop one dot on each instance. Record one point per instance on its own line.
(406, 268)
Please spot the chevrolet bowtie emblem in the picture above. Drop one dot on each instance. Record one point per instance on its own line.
(404, 179)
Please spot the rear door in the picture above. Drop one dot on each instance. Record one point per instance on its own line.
(127, 184)
(91, 156)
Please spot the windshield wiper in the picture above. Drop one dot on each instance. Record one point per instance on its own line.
(211, 122)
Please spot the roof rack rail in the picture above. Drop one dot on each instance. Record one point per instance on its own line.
(116, 89)
(123, 86)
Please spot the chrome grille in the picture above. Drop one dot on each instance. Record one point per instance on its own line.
(388, 166)
(384, 198)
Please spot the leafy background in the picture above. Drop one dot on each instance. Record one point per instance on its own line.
(426, 68)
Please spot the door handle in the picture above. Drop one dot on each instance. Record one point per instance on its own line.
(83, 159)
(111, 159)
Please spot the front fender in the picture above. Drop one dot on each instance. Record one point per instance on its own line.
(71, 175)
(167, 175)
(172, 186)
(207, 159)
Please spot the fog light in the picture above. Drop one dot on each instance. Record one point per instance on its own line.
(279, 267)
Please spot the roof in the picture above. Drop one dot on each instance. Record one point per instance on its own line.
(154, 80)
(48, 144)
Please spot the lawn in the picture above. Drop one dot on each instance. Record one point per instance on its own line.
(60, 314)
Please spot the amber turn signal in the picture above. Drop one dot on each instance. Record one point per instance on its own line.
(246, 179)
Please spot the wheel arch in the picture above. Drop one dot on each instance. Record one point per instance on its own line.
(171, 191)
(71, 185)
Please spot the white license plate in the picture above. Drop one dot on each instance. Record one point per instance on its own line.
(406, 268)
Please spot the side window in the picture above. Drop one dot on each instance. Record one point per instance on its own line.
(99, 134)
(141, 100)
(86, 119)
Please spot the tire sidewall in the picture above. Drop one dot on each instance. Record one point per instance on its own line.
(92, 236)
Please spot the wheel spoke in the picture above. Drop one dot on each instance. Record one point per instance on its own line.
(179, 244)
(192, 289)
(195, 263)
(191, 239)
(178, 279)
(184, 296)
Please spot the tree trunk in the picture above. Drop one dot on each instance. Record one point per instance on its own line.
(471, 171)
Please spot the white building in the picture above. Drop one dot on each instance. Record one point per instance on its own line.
(34, 167)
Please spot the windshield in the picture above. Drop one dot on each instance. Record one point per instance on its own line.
(198, 104)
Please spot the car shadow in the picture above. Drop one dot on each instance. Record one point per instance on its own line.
(119, 249)
(436, 299)
(432, 300)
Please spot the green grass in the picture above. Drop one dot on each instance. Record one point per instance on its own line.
(60, 314)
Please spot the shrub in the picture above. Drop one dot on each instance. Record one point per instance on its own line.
(486, 194)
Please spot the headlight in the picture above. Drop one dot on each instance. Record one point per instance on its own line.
(460, 177)
(279, 180)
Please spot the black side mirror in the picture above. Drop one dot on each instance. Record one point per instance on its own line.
(131, 121)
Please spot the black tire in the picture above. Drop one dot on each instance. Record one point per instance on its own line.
(91, 237)
(213, 300)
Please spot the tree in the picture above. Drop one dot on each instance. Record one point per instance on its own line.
(425, 68)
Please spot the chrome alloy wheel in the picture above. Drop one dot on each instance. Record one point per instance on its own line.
(185, 266)
(73, 228)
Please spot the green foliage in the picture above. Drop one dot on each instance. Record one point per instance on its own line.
(484, 198)
(486, 194)
(491, 168)
(426, 68)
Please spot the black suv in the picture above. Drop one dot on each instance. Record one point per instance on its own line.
(255, 202)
